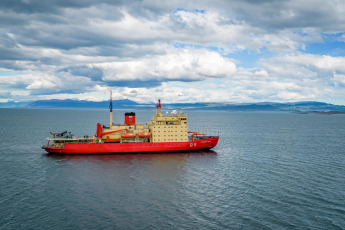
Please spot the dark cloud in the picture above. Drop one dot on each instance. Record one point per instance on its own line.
(145, 83)
(10, 64)
(5, 95)
(62, 36)
(28, 6)
(7, 41)
(11, 52)
(10, 19)
(278, 15)
(8, 54)
(94, 74)
(17, 86)
(56, 91)
(51, 6)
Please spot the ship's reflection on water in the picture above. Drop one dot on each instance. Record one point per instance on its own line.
(161, 162)
(107, 157)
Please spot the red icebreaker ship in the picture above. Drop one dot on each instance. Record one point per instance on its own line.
(164, 133)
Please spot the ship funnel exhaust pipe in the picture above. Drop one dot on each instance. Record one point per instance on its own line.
(111, 108)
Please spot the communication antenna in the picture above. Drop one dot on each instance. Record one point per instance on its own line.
(111, 108)
(158, 106)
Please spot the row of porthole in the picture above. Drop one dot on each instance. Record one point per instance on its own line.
(166, 140)
(169, 135)
(181, 131)
(167, 126)
(171, 130)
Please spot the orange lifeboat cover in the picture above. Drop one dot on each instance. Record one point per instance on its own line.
(128, 135)
(144, 134)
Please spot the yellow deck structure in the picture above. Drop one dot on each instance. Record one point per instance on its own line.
(161, 128)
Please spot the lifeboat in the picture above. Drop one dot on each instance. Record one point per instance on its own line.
(108, 140)
(128, 135)
(144, 134)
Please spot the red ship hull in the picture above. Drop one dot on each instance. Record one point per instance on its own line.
(141, 147)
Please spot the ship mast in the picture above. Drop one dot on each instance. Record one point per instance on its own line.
(159, 107)
(111, 108)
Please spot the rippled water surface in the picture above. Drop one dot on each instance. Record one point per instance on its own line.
(268, 171)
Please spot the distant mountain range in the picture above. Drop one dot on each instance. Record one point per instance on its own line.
(128, 104)
(264, 106)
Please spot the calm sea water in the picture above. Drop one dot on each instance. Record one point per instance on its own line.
(269, 171)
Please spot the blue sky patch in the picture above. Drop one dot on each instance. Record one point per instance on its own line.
(197, 46)
(192, 11)
(333, 45)
(245, 58)
(248, 59)
(8, 74)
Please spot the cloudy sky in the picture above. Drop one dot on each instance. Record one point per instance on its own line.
(177, 50)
